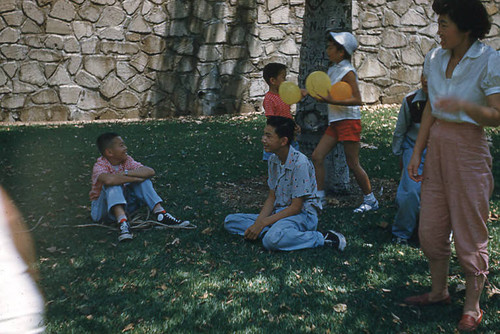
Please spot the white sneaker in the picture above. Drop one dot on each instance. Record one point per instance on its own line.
(366, 206)
(335, 239)
(124, 232)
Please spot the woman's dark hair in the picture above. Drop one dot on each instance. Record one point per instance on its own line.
(283, 126)
(468, 15)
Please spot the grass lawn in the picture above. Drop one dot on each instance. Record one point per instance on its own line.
(205, 280)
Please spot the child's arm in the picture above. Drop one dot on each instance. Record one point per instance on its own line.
(423, 135)
(484, 115)
(265, 219)
(136, 175)
(354, 100)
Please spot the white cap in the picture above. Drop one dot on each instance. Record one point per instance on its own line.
(347, 40)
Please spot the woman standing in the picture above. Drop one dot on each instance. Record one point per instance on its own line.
(464, 96)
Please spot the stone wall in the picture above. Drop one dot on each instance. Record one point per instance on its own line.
(102, 59)
(394, 37)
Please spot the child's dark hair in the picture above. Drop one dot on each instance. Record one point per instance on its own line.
(272, 70)
(339, 46)
(104, 141)
(283, 126)
(468, 15)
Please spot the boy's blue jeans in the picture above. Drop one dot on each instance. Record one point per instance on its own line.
(287, 234)
(131, 195)
(407, 196)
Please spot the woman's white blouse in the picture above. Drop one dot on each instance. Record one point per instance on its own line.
(476, 76)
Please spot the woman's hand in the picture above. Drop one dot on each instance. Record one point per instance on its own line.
(413, 168)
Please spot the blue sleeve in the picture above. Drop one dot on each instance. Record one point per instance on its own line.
(302, 182)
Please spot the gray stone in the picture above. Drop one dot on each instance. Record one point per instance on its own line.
(49, 69)
(208, 53)
(216, 33)
(146, 7)
(110, 17)
(371, 68)
(71, 45)
(255, 48)
(139, 61)
(74, 64)
(90, 100)
(10, 68)
(58, 113)
(273, 4)
(42, 3)
(109, 113)
(228, 67)
(60, 77)
(13, 101)
(139, 26)
(141, 84)
(369, 92)
(3, 78)
(223, 11)
(156, 63)
(82, 29)
(14, 19)
(111, 33)
(369, 40)
(33, 12)
(237, 36)
(413, 18)
(45, 55)
(400, 6)
(31, 72)
(45, 96)
(119, 47)
(203, 10)
(89, 12)
(89, 45)
(7, 5)
(395, 93)
(69, 94)
(393, 39)
(178, 9)
(234, 52)
(153, 44)
(54, 42)
(34, 41)
(133, 37)
(30, 27)
(19, 87)
(104, 2)
(111, 86)
(58, 27)
(178, 28)
(271, 33)
(390, 19)
(430, 30)
(406, 75)
(412, 57)
(185, 46)
(161, 29)
(86, 80)
(131, 6)
(9, 35)
(99, 66)
(281, 16)
(124, 70)
(34, 114)
(289, 47)
(63, 10)
(156, 15)
(124, 100)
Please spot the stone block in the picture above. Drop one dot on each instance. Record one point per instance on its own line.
(19, 87)
(369, 93)
(109, 113)
(86, 80)
(9, 35)
(413, 18)
(111, 33)
(45, 96)
(185, 46)
(395, 93)
(104, 2)
(203, 10)
(289, 47)
(49, 69)
(141, 83)
(45, 55)
(60, 77)
(89, 12)
(156, 15)
(54, 26)
(369, 40)
(271, 33)
(82, 29)
(216, 33)
(90, 100)
(371, 68)
(122, 48)
(133, 113)
(69, 94)
(412, 57)
(124, 71)
(178, 9)
(10, 68)
(281, 15)
(31, 72)
(234, 52)
(255, 47)
(63, 10)
(34, 41)
(178, 28)
(111, 86)
(152, 44)
(30, 27)
(139, 61)
(34, 114)
(209, 53)
(125, 100)
(110, 17)
(400, 7)
(14, 19)
(273, 4)
(161, 29)
(71, 45)
(3, 78)
(54, 42)
(89, 45)
(14, 52)
(13, 101)
(58, 113)
(131, 6)
(409, 75)
(390, 19)
(393, 39)
(8, 5)
(74, 64)
(139, 26)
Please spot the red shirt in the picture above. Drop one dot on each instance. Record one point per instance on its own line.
(274, 106)
(104, 166)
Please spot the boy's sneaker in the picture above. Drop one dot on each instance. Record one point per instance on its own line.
(367, 206)
(335, 240)
(399, 241)
(167, 219)
(124, 231)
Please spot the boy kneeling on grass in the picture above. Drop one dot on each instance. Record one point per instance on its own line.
(120, 185)
(289, 217)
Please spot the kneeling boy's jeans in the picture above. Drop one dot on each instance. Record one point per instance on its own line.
(131, 195)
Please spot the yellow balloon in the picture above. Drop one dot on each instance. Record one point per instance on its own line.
(341, 91)
(318, 83)
(290, 92)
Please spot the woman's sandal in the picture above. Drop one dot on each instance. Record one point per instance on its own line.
(468, 323)
(423, 300)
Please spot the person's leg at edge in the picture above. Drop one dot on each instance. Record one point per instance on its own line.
(439, 278)
(325, 145)
(351, 150)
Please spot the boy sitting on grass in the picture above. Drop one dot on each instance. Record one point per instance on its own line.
(289, 217)
(120, 185)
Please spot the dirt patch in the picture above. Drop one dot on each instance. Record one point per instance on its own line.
(251, 193)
